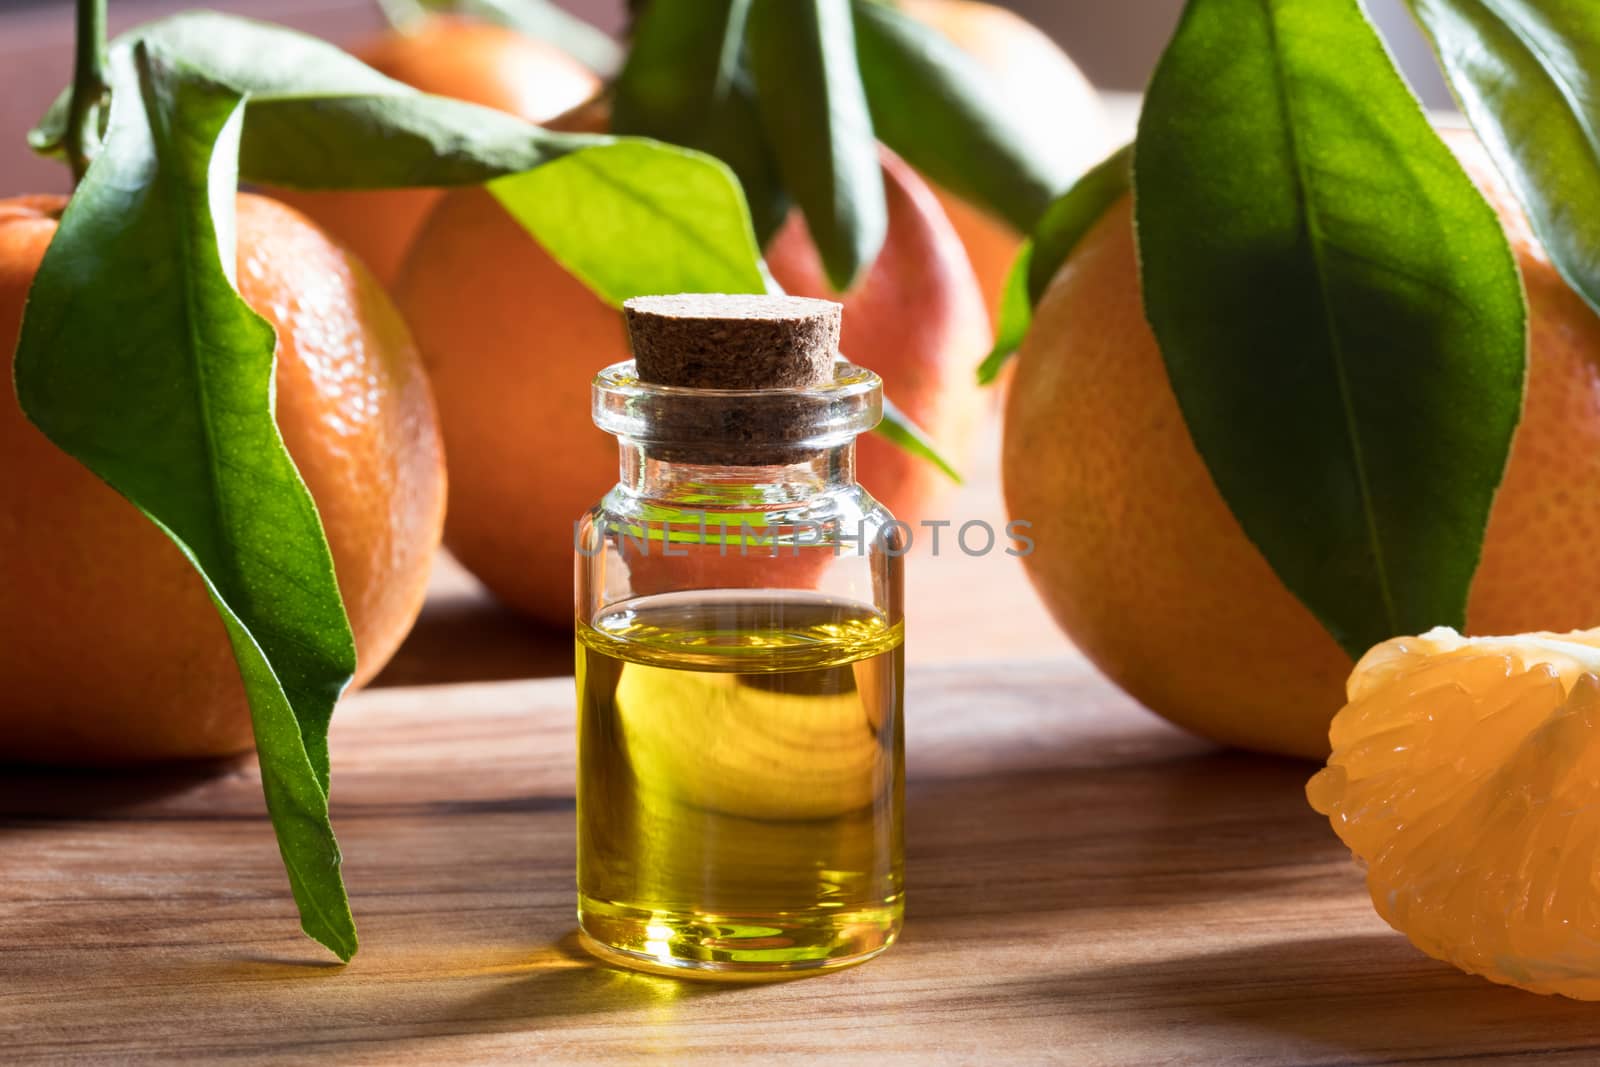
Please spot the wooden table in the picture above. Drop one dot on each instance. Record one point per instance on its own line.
(1087, 885)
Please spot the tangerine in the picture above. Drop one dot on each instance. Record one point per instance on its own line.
(1144, 566)
(112, 649)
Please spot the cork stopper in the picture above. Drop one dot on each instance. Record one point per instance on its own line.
(733, 341)
(723, 380)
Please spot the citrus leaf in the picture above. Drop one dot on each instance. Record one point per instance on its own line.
(898, 428)
(138, 357)
(227, 49)
(1065, 221)
(627, 217)
(389, 141)
(551, 23)
(321, 119)
(1073, 214)
(677, 214)
(937, 106)
(1016, 315)
(685, 81)
(1527, 73)
(814, 109)
(1340, 314)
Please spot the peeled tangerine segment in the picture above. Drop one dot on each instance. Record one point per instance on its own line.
(1466, 776)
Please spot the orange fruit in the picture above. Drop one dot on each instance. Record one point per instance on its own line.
(1050, 100)
(1466, 777)
(448, 56)
(113, 652)
(1141, 562)
(512, 340)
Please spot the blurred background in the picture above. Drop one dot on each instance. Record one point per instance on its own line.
(1116, 42)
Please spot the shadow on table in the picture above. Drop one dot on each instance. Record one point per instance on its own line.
(51, 793)
(1218, 825)
(1366, 997)
(467, 636)
(1177, 834)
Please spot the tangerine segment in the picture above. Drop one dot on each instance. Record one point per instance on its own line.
(1466, 776)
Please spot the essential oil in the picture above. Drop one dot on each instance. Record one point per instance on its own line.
(740, 782)
(739, 623)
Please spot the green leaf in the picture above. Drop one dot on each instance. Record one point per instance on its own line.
(898, 428)
(230, 50)
(321, 119)
(388, 141)
(685, 81)
(1064, 224)
(551, 23)
(1527, 73)
(937, 106)
(1073, 214)
(625, 216)
(803, 56)
(1016, 315)
(1340, 314)
(138, 357)
(635, 218)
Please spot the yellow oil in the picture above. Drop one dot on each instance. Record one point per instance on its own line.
(740, 782)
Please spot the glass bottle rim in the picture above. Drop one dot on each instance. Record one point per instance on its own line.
(813, 417)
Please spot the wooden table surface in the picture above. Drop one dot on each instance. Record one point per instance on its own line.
(1086, 885)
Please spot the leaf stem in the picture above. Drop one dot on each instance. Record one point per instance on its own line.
(90, 87)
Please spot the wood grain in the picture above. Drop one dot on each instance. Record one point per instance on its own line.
(1087, 885)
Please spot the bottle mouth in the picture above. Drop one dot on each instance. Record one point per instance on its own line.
(734, 424)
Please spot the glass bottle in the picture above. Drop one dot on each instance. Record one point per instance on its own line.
(740, 658)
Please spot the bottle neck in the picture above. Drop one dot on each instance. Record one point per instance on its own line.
(675, 482)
